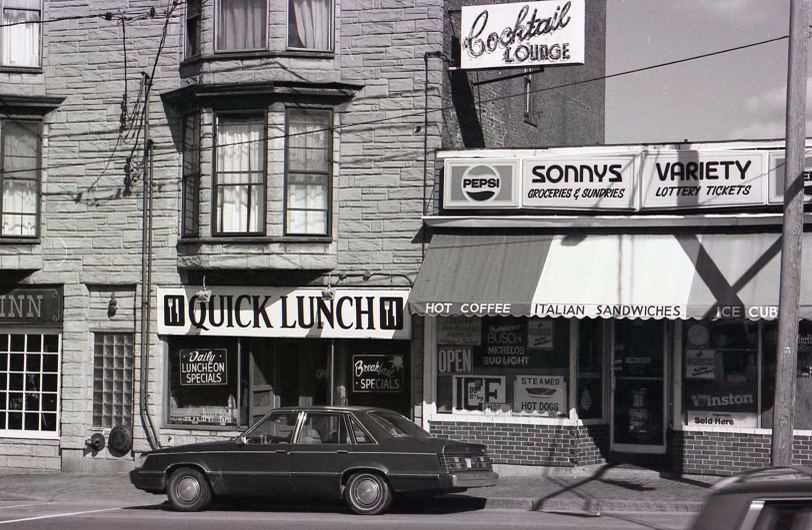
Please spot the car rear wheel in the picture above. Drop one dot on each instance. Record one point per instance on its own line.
(368, 494)
(188, 490)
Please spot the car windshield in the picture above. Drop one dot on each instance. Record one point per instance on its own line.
(397, 425)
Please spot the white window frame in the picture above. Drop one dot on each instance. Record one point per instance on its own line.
(4, 178)
(39, 435)
(330, 31)
(10, 4)
(217, 29)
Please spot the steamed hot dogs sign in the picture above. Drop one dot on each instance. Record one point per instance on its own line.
(523, 34)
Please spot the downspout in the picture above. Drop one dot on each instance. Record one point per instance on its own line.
(426, 136)
(146, 277)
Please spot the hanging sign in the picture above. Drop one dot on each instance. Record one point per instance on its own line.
(700, 364)
(523, 34)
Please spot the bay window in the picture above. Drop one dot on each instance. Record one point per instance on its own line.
(240, 174)
(241, 25)
(308, 172)
(191, 175)
(21, 33)
(19, 178)
(310, 24)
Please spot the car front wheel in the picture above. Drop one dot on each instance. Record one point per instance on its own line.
(368, 494)
(188, 490)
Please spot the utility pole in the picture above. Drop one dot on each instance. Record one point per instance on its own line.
(790, 286)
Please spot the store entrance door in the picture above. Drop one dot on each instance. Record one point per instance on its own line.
(638, 387)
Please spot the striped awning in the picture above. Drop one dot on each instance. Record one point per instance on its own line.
(640, 275)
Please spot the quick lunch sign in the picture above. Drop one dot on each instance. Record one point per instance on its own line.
(284, 312)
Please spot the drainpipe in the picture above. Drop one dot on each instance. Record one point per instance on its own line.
(426, 135)
(146, 276)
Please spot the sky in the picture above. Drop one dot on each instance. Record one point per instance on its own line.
(733, 96)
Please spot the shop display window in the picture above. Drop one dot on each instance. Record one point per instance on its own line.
(721, 384)
(503, 365)
(29, 384)
(205, 386)
(803, 377)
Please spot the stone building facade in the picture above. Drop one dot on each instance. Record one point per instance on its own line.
(290, 162)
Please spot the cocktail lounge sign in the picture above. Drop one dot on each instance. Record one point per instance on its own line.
(523, 34)
(623, 179)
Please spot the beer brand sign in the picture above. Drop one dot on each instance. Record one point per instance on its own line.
(523, 34)
(284, 312)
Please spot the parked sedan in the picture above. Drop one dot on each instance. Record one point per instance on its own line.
(361, 454)
(773, 498)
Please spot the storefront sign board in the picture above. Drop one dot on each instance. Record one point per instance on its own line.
(776, 178)
(481, 184)
(31, 306)
(545, 394)
(579, 183)
(523, 34)
(702, 179)
(377, 373)
(284, 312)
(478, 392)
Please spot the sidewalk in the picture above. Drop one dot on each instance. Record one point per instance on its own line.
(599, 489)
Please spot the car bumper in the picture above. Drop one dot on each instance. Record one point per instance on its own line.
(153, 481)
(476, 479)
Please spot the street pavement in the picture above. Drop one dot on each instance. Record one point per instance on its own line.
(588, 490)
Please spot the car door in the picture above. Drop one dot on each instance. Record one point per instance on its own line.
(261, 464)
(320, 454)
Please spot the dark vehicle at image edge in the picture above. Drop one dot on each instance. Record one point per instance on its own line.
(363, 455)
(772, 498)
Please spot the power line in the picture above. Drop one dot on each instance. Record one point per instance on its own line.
(417, 114)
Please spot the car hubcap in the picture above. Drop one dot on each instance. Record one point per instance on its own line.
(367, 491)
(188, 489)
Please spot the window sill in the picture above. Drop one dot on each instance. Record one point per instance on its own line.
(252, 240)
(256, 54)
(22, 69)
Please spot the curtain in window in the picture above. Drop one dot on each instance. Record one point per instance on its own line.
(312, 19)
(241, 25)
(21, 41)
(308, 172)
(19, 179)
(240, 176)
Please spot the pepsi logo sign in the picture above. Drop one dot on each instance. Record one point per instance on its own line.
(481, 183)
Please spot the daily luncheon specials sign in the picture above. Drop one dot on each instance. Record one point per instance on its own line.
(523, 34)
(285, 312)
(203, 367)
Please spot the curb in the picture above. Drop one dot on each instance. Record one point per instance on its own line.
(591, 505)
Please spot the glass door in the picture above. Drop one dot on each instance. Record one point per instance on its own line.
(638, 386)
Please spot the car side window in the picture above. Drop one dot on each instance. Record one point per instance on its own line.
(276, 428)
(785, 516)
(323, 428)
(360, 435)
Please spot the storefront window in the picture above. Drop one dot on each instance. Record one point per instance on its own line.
(590, 369)
(721, 374)
(503, 364)
(204, 383)
(803, 381)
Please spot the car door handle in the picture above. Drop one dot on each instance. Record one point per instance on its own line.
(282, 451)
(342, 452)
